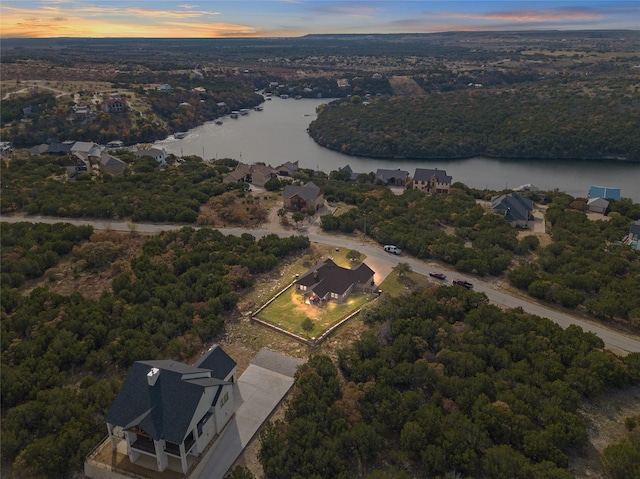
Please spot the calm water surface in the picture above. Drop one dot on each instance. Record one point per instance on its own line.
(278, 134)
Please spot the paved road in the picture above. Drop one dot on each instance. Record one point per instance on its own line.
(382, 263)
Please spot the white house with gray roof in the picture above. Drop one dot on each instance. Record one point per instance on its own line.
(160, 155)
(167, 408)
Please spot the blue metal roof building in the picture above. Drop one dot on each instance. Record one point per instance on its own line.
(604, 192)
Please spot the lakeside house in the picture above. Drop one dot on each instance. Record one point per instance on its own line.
(255, 174)
(308, 196)
(605, 192)
(393, 177)
(431, 180)
(168, 409)
(327, 281)
(597, 205)
(288, 168)
(515, 208)
(160, 155)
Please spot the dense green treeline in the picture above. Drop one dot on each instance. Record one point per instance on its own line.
(418, 223)
(63, 356)
(444, 383)
(28, 250)
(586, 265)
(145, 192)
(591, 120)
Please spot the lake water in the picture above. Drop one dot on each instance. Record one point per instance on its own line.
(278, 134)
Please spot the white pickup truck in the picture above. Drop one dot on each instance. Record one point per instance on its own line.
(392, 249)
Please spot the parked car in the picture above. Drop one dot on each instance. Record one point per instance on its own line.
(392, 249)
(437, 275)
(463, 283)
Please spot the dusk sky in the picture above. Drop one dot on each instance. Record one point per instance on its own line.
(290, 18)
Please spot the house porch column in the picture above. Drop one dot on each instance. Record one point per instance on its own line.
(183, 458)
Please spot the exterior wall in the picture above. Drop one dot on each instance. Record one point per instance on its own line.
(209, 431)
(203, 407)
(366, 286)
(223, 412)
(596, 209)
(432, 186)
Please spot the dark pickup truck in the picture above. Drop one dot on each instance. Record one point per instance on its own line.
(463, 283)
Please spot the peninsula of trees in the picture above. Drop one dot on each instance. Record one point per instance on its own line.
(552, 119)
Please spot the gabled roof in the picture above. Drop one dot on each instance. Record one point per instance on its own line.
(217, 361)
(292, 166)
(425, 174)
(515, 206)
(85, 146)
(165, 409)
(386, 175)
(153, 152)
(327, 277)
(40, 149)
(310, 191)
(112, 164)
(598, 202)
(604, 192)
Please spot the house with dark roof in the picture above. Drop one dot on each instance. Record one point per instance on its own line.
(393, 177)
(347, 173)
(57, 149)
(327, 281)
(515, 208)
(256, 174)
(431, 180)
(604, 192)
(297, 197)
(287, 168)
(170, 409)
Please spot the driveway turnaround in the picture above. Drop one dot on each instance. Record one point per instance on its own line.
(258, 391)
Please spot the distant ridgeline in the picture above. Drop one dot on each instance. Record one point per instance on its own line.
(550, 119)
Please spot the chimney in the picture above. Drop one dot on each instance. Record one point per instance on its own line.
(315, 274)
(152, 376)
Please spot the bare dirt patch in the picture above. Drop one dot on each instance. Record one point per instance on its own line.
(402, 85)
(604, 417)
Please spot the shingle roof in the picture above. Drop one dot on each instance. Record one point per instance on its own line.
(386, 175)
(166, 409)
(310, 191)
(425, 174)
(515, 206)
(218, 361)
(327, 277)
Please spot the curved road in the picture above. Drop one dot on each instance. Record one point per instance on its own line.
(382, 263)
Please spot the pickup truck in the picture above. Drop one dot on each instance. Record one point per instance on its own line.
(463, 283)
(392, 249)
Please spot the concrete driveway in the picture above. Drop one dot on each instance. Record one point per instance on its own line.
(257, 392)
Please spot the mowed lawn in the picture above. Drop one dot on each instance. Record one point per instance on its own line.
(289, 310)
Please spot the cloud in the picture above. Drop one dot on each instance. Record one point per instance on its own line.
(347, 9)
